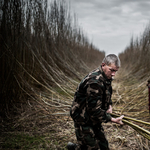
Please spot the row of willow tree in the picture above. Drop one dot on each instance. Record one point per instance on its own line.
(40, 44)
(136, 57)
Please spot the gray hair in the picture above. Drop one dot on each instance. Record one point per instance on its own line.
(112, 59)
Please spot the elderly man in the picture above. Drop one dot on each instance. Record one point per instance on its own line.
(92, 106)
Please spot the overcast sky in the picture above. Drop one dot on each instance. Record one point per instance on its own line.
(110, 24)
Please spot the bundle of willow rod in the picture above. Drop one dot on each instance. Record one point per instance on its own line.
(137, 128)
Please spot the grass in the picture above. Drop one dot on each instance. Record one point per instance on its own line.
(22, 141)
(35, 132)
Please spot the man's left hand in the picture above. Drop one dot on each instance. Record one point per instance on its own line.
(110, 109)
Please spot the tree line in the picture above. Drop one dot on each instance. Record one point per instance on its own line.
(41, 46)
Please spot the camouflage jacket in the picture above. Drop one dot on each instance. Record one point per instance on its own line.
(92, 99)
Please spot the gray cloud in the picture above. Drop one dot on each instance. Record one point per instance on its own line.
(110, 24)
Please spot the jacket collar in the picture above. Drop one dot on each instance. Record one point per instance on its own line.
(103, 77)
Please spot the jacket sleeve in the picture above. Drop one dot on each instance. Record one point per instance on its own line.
(94, 104)
(110, 102)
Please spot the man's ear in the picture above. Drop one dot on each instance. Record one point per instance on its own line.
(103, 64)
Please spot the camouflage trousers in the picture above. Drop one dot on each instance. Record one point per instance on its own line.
(91, 137)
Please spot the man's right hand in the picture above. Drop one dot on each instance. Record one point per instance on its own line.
(117, 120)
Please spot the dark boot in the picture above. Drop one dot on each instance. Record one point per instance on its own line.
(71, 146)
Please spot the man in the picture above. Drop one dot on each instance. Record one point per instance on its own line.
(92, 105)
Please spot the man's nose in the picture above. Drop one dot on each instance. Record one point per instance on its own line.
(113, 73)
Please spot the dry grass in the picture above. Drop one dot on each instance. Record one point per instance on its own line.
(42, 130)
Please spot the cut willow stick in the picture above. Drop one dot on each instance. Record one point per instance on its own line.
(143, 134)
(140, 130)
(136, 126)
(61, 113)
(129, 118)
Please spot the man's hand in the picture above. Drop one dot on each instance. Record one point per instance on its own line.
(118, 120)
(109, 110)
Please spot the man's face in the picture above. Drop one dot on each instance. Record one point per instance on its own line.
(110, 70)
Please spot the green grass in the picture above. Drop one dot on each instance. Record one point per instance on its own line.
(22, 141)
